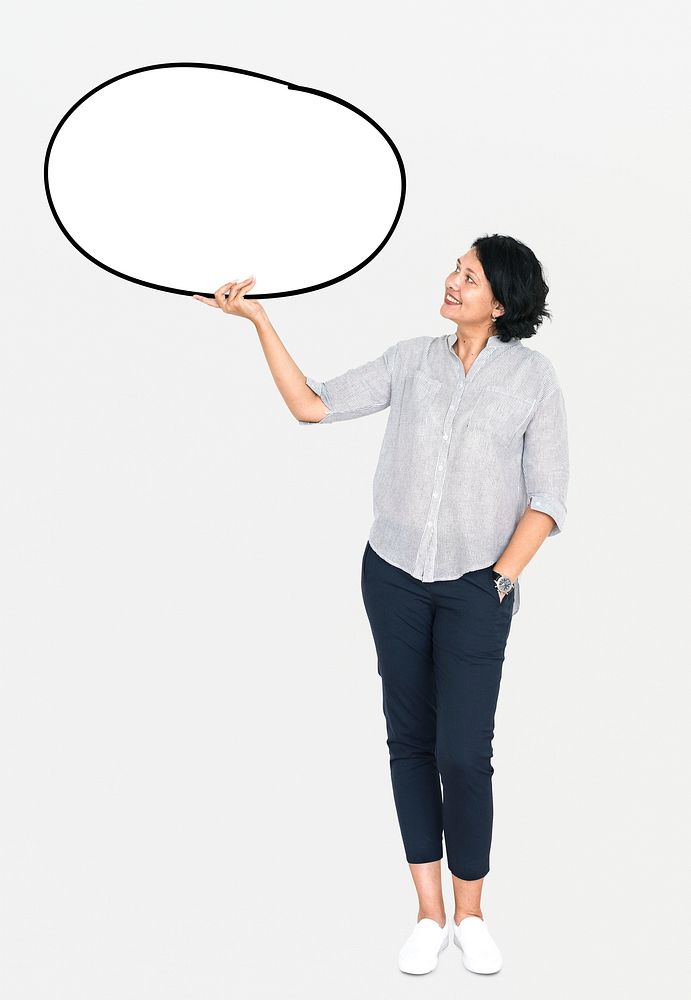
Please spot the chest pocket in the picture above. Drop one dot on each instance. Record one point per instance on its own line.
(419, 391)
(500, 414)
(422, 387)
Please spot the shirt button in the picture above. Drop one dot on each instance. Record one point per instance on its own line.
(446, 437)
(441, 465)
(435, 494)
(429, 524)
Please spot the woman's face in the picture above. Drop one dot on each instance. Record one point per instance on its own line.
(476, 304)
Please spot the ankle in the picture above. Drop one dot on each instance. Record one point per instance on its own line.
(438, 915)
(460, 914)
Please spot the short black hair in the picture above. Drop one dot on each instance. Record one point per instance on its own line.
(516, 279)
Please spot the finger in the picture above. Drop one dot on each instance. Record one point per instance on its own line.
(239, 291)
(220, 293)
(238, 294)
(235, 287)
(208, 302)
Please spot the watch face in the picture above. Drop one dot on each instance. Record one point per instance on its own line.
(504, 584)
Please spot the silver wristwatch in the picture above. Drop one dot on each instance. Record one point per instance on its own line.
(503, 583)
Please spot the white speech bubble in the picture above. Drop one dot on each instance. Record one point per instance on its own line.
(183, 176)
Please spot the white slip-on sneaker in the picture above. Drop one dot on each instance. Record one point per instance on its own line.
(421, 951)
(480, 953)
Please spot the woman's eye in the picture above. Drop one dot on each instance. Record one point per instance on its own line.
(467, 275)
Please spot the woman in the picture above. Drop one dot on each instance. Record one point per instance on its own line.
(471, 479)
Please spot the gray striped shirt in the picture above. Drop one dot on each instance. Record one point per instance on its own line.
(462, 455)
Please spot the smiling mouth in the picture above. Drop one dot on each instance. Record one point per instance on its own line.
(450, 300)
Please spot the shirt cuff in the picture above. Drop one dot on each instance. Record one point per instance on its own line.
(318, 387)
(552, 506)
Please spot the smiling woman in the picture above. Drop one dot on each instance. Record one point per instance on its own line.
(476, 438)
(471, 479)
(501, 277)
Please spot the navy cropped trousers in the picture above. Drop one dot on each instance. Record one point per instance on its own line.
(440, 650)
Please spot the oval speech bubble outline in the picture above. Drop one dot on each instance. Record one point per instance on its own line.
(191, 173)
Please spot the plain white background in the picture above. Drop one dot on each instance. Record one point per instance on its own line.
(194, 776)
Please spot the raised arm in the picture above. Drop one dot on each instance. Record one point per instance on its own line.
(292, 384)
(356, 393)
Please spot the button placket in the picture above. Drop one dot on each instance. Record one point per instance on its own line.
(442, 423)
(438, 483)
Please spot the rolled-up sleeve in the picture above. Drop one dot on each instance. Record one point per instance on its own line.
(546, 459)
(358, 392)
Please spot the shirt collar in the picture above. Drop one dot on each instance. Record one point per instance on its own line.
(493, 348)
(493, 344)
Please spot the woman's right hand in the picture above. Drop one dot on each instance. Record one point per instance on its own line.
(231, 299)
